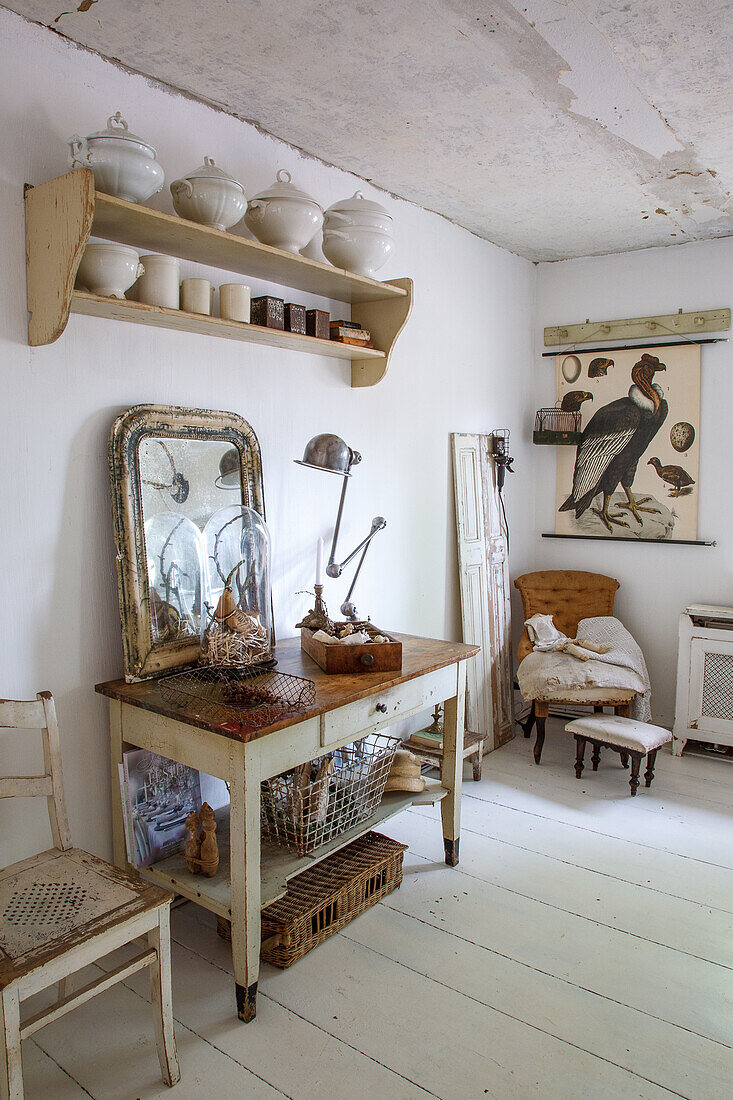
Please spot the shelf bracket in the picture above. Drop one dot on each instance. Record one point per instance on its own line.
(58, 221)
(385, 320)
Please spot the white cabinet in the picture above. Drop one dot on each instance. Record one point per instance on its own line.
(704, 709)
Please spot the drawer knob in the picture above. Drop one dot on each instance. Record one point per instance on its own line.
(367, 659)
(381, 707)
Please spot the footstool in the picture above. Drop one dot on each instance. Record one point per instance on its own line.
(625, 736)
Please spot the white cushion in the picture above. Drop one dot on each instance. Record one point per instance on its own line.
(627, 732)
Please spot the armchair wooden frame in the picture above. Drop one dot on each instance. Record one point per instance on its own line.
(569, 595)
(63, 910)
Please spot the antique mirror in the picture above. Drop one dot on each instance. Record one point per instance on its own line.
(172, 470)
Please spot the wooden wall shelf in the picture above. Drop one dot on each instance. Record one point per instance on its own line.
(62, 214)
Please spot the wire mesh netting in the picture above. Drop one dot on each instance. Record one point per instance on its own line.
(246, 698)
(310, 805)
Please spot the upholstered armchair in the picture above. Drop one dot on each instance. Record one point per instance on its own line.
(569, 596)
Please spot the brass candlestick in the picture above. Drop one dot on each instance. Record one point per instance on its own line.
(318, 619)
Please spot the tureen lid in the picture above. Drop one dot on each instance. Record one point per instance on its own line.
(282, 188)
(358, 204)
(118, 128)
(209, 171)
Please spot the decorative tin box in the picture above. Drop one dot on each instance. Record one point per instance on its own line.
(294, 318)
(268, 312)
(317, 323)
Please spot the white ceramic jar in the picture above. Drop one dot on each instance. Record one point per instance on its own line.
(109, 269)
(159, 286)
(284, 216)
(234, 301)
(209, 196)
(358, 235)
(123, 164)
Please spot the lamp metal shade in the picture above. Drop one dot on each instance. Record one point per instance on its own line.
(329, 453)
(230, 470)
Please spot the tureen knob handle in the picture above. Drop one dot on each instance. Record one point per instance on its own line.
(284, 176)
(358, 195)
(209, 162)
(117, 120)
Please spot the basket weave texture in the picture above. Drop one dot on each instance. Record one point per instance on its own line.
(323, 899)
(306, 807)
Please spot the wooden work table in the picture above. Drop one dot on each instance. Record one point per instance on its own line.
(252, 872)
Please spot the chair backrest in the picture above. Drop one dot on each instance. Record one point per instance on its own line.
(39, 714)
(569, 595)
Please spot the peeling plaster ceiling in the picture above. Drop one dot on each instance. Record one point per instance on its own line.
(554, 128)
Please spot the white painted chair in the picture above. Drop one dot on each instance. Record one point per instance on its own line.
(64, 909)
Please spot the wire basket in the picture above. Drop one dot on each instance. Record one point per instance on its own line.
(556, 426)
(247, 699)
(308, 806)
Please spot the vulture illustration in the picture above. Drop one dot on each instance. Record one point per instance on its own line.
(674, 475)
(572, 401)
(612, 443)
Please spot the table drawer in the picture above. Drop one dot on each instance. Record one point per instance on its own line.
(364, 716)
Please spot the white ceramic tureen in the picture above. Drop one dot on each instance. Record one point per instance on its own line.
(209, 196)
(123, 164)
(358, 235)
(284, 216)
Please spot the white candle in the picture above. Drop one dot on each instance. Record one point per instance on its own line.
(319, 562)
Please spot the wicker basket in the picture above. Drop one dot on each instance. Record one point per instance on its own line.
(323, 899)
(305, 808)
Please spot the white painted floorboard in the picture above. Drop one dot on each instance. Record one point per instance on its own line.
(583, 949)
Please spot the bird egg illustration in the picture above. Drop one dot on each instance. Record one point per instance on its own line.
(682, 436)
(571, 368)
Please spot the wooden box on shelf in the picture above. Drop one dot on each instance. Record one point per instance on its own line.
(370, 657)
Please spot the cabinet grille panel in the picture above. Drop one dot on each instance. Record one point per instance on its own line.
(717, 686)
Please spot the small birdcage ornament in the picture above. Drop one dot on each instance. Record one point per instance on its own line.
(557, 427)
(236, 627)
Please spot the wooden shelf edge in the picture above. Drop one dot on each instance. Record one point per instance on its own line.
(119, 309)
(278, 864)
(141, 226)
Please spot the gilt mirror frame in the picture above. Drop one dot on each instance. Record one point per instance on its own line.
(142, 657)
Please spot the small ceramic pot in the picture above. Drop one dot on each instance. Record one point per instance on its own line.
(159, 285)
(109, 269)
(234, 301)
(197, 296)
(358, 249)
(209, 196)
(284, 216)
(123, 164)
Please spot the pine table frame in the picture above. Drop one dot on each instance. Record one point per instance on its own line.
(348, 706)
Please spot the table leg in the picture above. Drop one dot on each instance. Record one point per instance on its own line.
(244, 848)
(119, 848)
(452, 771)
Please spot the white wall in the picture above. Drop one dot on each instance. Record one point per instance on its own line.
(657, 582)
(462, 364)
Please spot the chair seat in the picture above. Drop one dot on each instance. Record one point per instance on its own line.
(625, 732)
(551, 676)
(593, 696)
(56, 900)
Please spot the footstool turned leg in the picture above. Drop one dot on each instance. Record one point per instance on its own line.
(649, 773)
(596, 757)
(634, 777)
(476, 763)
(579, 754)
(624, 759)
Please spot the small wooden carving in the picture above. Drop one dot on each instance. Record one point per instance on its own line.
(202, 850)
(193, 844)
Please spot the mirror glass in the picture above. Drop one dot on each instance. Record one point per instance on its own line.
(173, 469)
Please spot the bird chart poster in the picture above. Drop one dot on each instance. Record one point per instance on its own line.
(635, 471)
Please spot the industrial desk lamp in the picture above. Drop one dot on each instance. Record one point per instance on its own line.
(330, 454)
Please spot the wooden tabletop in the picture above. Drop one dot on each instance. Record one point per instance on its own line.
(419, 655)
